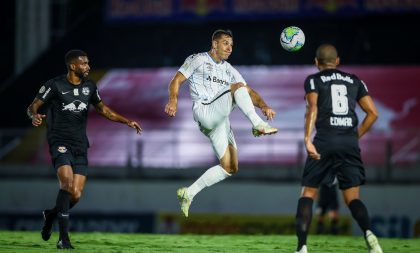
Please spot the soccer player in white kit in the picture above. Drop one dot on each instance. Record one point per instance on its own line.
(215, 88)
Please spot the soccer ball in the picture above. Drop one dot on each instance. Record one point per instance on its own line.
(292, 38)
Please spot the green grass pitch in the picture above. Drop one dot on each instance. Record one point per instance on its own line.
(29, 242)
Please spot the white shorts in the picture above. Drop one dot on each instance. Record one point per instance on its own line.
(213, 120)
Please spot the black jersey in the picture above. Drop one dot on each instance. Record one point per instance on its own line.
(68, 106)
(338, 93)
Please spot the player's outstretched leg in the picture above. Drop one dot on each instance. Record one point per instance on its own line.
(304, 249)
(184, 200)
(244, 102)
(212, 176)
(49, 218)
(372, 243)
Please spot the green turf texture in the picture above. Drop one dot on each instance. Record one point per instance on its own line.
(29, 242)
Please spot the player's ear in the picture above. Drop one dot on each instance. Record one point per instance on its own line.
(337, 61)
(72, 66)
(316, 62)
(213, 44)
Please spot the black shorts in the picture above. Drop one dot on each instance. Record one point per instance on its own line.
(340, 158)
(327, 198)
(66, 155)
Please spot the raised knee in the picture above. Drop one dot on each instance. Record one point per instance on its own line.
(233, 169)
(236, 86)
(230, 169)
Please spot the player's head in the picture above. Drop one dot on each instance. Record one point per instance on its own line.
(222, 44)
(326, 57)
(77, 61)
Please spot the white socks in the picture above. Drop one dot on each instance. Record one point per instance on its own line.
(213, 175)
(244, 102)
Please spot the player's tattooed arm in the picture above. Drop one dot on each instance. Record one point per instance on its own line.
(108, 113)
(259, 102)
(33, 114)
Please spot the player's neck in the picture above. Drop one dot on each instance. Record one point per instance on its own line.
(214, 56)
(326, 67)
(73, 79)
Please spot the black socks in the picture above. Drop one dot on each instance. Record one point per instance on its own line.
(62, 207)
(360, 214)
(303, 220)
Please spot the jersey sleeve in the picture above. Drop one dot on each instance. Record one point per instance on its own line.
(236, 76)
(363, 90)
(95, 98)
(190, 65)
(47, 91)
(310, 85)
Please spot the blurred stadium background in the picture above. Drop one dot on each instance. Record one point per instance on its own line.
(135, 47)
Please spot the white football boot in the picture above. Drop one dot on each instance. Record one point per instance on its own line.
(372, 243)
(304, 249)
(263, 129)
(184, 201)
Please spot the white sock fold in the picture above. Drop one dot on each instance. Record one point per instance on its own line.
(244, 102)
(213, 175)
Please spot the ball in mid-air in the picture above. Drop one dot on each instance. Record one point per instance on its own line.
(292, 38)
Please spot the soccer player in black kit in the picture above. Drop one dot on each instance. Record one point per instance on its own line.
(331, 97)
(327, 205)
(68, 98)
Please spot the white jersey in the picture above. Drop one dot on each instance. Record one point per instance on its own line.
(207, 77)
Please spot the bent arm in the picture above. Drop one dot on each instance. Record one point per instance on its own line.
(108, 113)
(174, 85)
(310, 119)
(32, 112)
(259, 102)
(368, 106)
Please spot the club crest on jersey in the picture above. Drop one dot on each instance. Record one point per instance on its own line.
(85, 91)
(62, 149)
(75, 106)
(42, 89)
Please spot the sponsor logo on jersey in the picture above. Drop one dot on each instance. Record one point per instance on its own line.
(75, 106)
(336, 76)
(65, 92)
(85, 91)
(42, 89)
(214, 79)
(62, 149)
